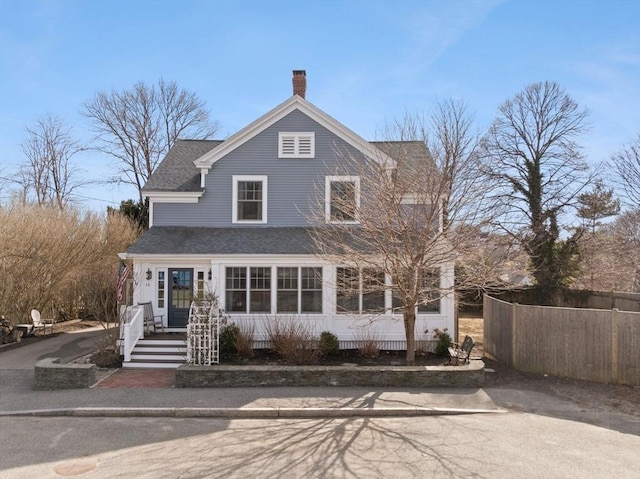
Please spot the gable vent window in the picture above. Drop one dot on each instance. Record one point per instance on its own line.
(296, 145)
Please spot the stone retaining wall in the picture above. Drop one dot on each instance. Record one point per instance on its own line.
(469, 376)
(50, 374)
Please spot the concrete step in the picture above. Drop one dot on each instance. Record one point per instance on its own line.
(158, 357)
(162, 342)
(151, 365)
(160, 349)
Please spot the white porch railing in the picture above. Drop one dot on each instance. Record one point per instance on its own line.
(203, 335)
(132, 324)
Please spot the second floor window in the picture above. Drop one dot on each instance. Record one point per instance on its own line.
(249, 199)
(342, 199)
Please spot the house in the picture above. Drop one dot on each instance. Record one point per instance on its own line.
(232, 218)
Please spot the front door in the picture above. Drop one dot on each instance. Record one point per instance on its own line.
(180, 295)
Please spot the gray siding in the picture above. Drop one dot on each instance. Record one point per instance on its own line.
(292, 183)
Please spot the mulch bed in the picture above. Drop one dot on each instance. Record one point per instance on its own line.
(267, 357)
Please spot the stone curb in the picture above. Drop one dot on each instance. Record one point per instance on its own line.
(249, 413)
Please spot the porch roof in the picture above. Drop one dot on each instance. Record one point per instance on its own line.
(236, 240)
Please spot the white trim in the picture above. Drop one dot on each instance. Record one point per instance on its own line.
(207, 160)
(173, 196)
(296, 136)
(327, 197)
(203, 174)
(234, 198)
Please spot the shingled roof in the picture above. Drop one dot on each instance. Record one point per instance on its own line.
(173, 240)
(176, 172)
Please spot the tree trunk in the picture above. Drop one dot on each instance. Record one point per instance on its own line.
(409, 317)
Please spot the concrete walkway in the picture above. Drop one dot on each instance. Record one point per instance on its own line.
(151, 393)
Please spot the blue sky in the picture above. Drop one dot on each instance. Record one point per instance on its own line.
(366, 61)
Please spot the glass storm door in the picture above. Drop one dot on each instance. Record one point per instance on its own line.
(180, 296)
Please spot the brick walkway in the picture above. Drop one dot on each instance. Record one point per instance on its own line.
(140, 378)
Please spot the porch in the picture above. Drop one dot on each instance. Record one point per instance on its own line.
(143, 349)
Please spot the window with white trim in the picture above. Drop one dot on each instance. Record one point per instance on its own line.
(249, 199)
(342, 198)
(429, 299)
(253, 296)
(299, 290)
(296, 145)
(360, 291)
(200, 285)
(161, 288)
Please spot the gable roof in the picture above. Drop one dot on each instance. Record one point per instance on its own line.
(176, 172)
(294, 103)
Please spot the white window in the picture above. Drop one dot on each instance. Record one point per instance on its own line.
(429, 296)
(360, 291)
(299, 290)
(249, 199)
(296, 145)
(254, 293)
(342, 199)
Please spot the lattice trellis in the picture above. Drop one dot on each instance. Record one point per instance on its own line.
(203, 338)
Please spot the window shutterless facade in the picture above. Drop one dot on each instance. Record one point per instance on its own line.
(299, 290)
(260, 290)
(360, 291)
(429, 297)
(161, 289)
(249, 290)
(249, 199)
(431, 292)
(342, 198)
(236, 290)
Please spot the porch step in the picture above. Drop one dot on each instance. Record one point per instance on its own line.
(158, 357)
(151, 365)
(158, 353)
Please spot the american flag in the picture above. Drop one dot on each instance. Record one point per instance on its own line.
(121, 280)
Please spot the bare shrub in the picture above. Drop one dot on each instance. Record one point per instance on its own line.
(423, 345)
(244, 340)
(47, 256)
(107, 354)
(368, 342)
(292, 339)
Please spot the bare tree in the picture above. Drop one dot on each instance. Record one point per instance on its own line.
(138, 126)
(626, 234)
(414, 211)
(627, 167)
(48, 171)
(532, 155)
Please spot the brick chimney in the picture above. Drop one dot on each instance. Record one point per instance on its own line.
(299, 82)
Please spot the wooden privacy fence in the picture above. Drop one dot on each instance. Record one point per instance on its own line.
(590, 344)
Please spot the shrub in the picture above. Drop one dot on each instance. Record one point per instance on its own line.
(244, 340)
(107, 355)
(444, 342)
(368, 342)
(229, 340)
(106, 358)
(292, 339)
(328, 344)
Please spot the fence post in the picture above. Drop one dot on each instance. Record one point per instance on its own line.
(614, 345)
(514, 334)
